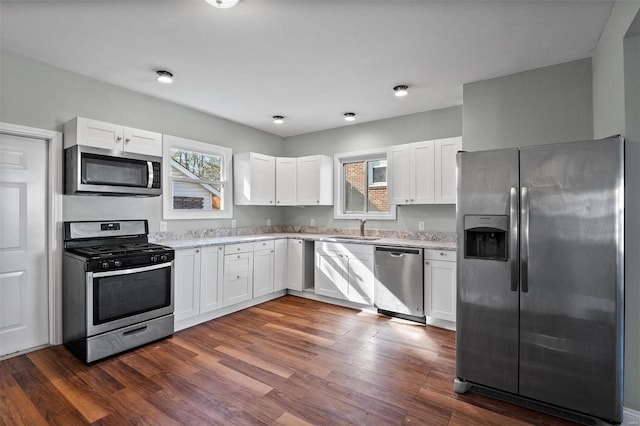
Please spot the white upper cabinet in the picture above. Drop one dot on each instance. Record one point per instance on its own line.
(286, 181)
(254, 179)
(99, 134)
(445, 169)
(423, 172)
(315, 180)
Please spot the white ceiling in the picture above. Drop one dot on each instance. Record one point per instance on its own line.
(309, 60)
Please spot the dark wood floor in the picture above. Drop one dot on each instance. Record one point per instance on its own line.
(291, 361)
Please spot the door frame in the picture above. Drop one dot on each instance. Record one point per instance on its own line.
(53, 140)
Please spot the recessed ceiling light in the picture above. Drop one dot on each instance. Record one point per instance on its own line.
(350, 116)
(401, 90)
(222, 4)
(278, 119)
(164, 77)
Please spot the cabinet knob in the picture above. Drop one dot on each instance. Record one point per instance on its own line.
(278, 201)
(238, 277)
(127, 140)
(119, 138)
(271, 251)
(197, 251)
(441, 254)
(426, 263)
(412, 200)
(317, 201)
(238, 256)
(406, 201)
(271, 202)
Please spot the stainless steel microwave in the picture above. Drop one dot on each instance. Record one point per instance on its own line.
(96, 171)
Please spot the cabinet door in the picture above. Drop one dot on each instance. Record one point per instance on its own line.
(99, 134)
(263, 272)
(280, 265)
(422, 173)
(440, 289)
(295, 264)
(398, 161)
(329, 274)
(445, 169)
(142, 142)
(211, 262)
(186, 283)
(360, 277)
(309, 180)
(263, 179)
(240, 263)
(286, 181)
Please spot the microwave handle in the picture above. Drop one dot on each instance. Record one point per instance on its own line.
(150, 179)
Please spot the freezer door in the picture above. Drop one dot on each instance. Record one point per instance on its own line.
(572, 281)
(487, 304)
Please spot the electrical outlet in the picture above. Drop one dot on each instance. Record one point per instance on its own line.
(312, 222)
(268, 222)
(421, 226)
(163, 226)
(233, 223)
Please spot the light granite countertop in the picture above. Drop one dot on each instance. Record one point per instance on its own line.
(201, 242)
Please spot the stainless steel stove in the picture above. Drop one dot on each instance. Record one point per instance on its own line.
(117, 288)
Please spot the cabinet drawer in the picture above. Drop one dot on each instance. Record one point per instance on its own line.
(263, 245)
(447, 255)
(344, 248)
(238, 248)
(235, 264)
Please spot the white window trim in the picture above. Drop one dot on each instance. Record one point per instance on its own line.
(338, 182)
(174, 142)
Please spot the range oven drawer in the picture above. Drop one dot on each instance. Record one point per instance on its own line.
(123, 339)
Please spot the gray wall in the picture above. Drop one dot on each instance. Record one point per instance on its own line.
(545, 105)
(39, 95)
(616, 91)
(434, 124)
(632, 231)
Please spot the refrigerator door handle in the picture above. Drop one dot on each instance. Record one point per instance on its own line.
(524, 239)
(513, 232)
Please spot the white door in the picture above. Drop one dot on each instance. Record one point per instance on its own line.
(361, 281)
(294, 265)
(142, 142)
(329, 275)
(211, 265)
(422, 176)
(286, 181)
(308, 181)
(24, 315)
(186, 283)
(262, 272)
(263, 179)
(445, 169)
(100, 134)
(398, 161)
(280, 265)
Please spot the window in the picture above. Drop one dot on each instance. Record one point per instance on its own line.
(197, 180)
(361, 186)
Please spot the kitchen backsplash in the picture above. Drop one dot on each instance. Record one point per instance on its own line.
(292, 229)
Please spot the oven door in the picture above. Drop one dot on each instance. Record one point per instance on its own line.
(120, 298)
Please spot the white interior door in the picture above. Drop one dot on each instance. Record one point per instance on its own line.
(24, 316)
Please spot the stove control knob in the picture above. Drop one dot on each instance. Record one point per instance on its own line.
(154, 258)
(164, 257)
(117, 263)
(105, 265)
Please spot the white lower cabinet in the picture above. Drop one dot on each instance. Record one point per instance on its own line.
(440, 284)
(295, 264)
(344, 271)
(280, 264)
(263, 268)
(197, 283)
(238, 273)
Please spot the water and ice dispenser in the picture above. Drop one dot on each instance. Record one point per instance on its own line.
(486, 237)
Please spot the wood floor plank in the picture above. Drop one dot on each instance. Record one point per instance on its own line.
(289, 361)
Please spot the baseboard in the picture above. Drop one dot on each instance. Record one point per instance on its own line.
(630, 417)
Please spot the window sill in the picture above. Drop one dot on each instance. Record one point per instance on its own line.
(368, 216)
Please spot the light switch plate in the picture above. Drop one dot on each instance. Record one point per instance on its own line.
(163, 226)
(268, 222)
(312, 222)
(421, 226)
(233, 223)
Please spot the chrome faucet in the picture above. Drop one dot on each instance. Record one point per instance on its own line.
(362, 222)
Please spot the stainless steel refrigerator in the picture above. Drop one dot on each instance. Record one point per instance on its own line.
(540, 263)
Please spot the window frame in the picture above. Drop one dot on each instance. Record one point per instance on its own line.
(226, 179)
(338, 198)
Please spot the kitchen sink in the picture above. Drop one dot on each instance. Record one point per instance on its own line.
(353, 237)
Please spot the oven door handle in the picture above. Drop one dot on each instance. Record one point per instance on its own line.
(132, 270)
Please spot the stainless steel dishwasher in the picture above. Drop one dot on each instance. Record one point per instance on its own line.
(399, 280)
